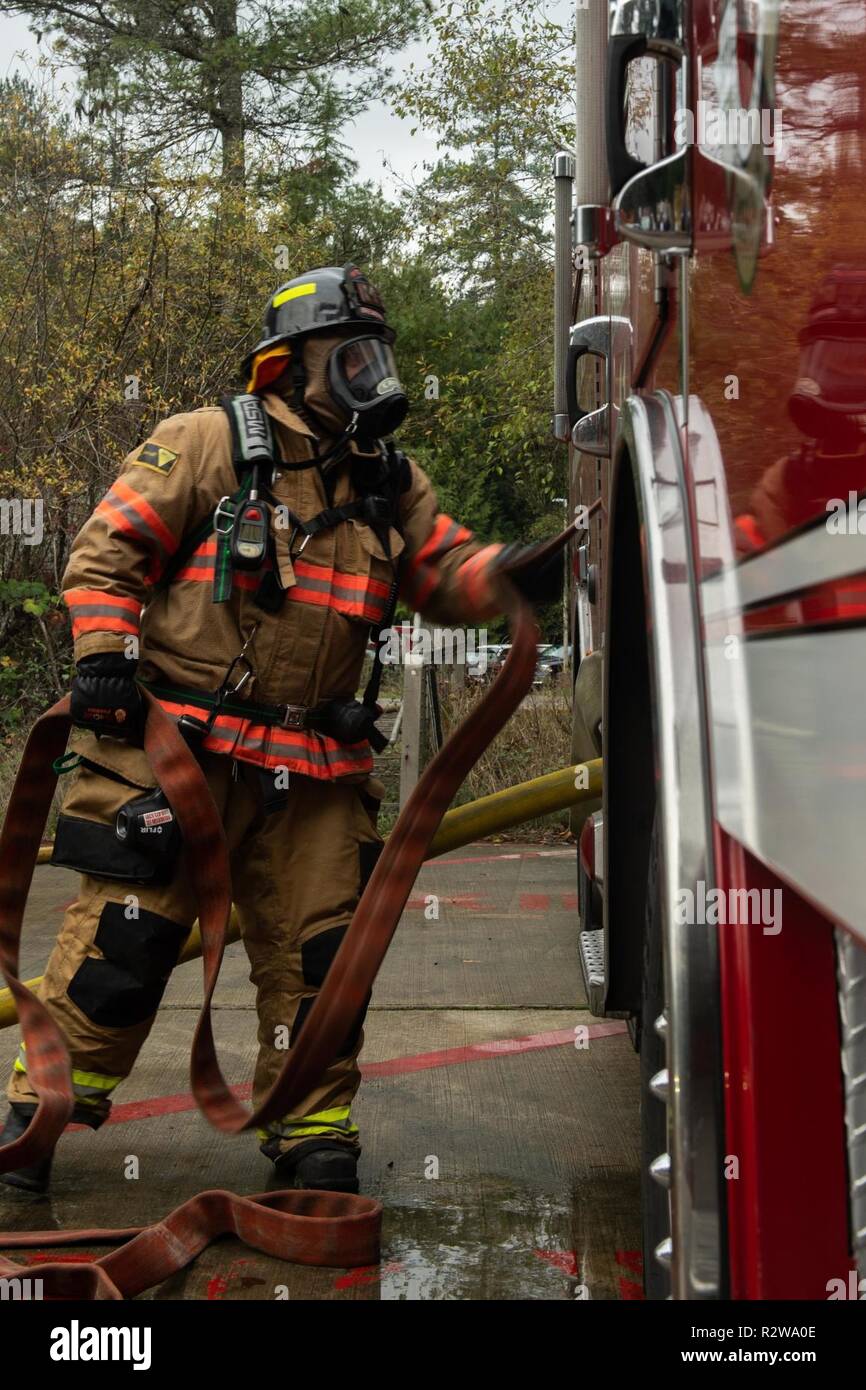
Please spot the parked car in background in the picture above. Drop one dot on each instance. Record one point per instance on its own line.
(483, 664)
(551, 663)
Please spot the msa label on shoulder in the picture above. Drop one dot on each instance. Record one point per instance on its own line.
(157, 457)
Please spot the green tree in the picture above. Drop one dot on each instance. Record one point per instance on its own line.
(227, 72)
(497, 96)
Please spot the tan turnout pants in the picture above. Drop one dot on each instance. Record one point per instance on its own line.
(297, 874)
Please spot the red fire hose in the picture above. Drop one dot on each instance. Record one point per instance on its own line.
(318, 1228)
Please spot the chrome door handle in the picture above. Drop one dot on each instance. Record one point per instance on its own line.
(603, 336)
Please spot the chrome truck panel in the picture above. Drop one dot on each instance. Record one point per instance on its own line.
(787, 713)
(785, 710)
(648, 444)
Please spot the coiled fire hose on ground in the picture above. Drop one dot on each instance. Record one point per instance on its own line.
(317, 1228)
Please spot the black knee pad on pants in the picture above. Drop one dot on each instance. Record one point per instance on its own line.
(139, 954)
(316, 957)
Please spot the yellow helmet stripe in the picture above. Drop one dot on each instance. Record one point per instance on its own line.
(293, 292)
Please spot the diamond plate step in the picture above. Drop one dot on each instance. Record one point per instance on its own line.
(592, 968)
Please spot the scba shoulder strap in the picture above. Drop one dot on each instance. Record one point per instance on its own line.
(253, 441)
(254, 447)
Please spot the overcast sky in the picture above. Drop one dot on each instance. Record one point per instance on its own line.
(376, 135)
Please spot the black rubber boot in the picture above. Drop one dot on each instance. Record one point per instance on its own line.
(36, 1177)
(325, 1165)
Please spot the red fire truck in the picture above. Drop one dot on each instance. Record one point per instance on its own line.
(711, 384)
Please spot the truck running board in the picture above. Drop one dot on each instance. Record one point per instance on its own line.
(592, 968)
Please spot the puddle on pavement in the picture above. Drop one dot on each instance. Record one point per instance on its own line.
(496, 1241)
(488, 1240)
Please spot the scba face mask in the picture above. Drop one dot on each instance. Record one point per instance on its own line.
(831, 385)
(362, 381)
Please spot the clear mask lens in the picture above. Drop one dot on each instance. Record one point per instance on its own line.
(367, 370)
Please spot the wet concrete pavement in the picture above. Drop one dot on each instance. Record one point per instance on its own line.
(505, 1155)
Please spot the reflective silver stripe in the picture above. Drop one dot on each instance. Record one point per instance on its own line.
(131, 513)
(342, 593)
(101, 610)
(293, 1131)
(446, 543)
(199, 561)
(90, 1092)
(93, 1083)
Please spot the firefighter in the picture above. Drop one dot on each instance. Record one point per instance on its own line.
(828, 406)
(235, 569)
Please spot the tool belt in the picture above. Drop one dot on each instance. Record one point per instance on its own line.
(312, 1228)
(347, 721)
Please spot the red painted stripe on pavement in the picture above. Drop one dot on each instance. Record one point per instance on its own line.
(394, 1066)
(487, 1051)
(162, 1105)
(631, 1284)
(631, 1259)
(629, 1291)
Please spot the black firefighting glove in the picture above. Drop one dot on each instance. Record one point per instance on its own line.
(105, 697)
(348, 721)
(539, 583)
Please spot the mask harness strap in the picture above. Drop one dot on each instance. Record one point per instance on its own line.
(299, 382)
